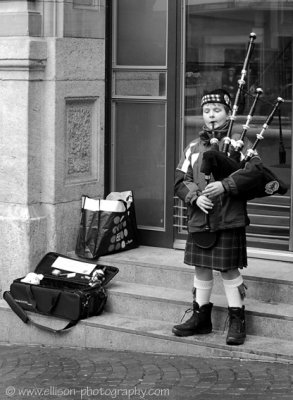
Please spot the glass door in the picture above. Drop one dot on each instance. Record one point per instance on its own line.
(215, 38)
(143, 113)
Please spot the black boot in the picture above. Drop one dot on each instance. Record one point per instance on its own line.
(237, 330)
(199, 323)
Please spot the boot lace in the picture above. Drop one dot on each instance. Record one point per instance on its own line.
(189, 310)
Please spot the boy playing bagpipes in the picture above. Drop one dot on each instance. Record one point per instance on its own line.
(227, 221)
(217, 211)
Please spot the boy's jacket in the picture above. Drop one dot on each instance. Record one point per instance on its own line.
(229, 210)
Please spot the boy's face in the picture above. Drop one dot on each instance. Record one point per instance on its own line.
(214, 112)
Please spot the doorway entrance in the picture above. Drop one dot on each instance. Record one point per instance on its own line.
(143, 112)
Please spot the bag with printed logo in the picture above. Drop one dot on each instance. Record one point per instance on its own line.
(107, 225)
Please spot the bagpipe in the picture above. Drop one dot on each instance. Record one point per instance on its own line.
(250, 176)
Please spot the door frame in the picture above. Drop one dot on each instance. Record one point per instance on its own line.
(166, 238)
(149, 237)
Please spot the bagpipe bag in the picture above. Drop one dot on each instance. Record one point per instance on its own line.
(255, 180)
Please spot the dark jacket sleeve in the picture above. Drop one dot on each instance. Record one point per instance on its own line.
(184, 187)
(230, 186)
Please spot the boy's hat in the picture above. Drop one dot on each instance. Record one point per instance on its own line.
(217, 96)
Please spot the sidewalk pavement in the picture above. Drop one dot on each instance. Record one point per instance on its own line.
(38, 372)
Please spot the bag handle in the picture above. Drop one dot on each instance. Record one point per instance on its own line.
(20, 312)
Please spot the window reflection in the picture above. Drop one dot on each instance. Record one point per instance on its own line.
(140, 83)
(141, 32)
(140, 158)
(216, 44)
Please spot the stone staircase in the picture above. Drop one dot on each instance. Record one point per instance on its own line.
(151, 293)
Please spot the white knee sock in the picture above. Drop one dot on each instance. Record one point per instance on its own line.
(203, 291)
(233, 295)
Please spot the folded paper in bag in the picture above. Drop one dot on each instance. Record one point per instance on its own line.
(67, 264)
(107, 225)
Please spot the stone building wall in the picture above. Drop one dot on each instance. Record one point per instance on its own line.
(52, 78)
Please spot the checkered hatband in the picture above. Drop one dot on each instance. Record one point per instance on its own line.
(216, 98)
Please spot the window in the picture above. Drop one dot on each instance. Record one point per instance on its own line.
(216, 34)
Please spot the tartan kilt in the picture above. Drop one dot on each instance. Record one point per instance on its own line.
(228, 253)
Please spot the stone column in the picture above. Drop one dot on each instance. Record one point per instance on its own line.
(73, 121)
(22, 65)
(73, 135)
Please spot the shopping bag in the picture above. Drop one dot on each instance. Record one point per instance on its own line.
(107, 225)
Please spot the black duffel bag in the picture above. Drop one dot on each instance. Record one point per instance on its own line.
(61, 287)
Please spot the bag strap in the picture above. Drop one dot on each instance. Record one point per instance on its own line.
(32, 300)
(20, 312)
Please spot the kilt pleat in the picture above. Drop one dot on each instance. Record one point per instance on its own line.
(228, 253)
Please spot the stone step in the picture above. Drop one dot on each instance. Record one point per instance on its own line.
(120, 332)
(162, 304)
(151, 293)
(213, 345)
(263, 289)
(268, 280)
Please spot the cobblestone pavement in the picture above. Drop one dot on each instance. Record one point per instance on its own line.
(37, 372)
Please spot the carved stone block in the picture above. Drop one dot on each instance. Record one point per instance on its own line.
(81, 154)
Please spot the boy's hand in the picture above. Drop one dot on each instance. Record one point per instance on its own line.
(204, 203)
(213, 189)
